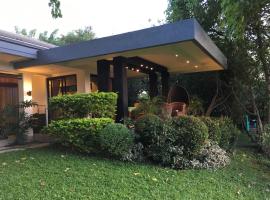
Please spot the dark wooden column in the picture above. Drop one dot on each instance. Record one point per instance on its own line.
(165, 79)
(153, 83)
(103, 73)
(120, 86)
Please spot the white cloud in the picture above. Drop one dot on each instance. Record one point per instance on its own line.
(107, 17)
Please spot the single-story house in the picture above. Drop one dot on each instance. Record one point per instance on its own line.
(35, 70)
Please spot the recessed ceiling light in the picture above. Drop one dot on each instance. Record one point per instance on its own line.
(187, 61)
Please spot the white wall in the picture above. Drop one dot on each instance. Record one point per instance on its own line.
(39, 92)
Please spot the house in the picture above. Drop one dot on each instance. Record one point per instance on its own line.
(34, 70)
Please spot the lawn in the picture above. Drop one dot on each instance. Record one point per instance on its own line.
(51, 173)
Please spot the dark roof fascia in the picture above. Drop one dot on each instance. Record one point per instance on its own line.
(185, 30)
(17, 50)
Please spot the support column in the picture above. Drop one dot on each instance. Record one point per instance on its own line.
(120, 86)
(25, 94)
(153, 89)
(165, 79)
(103, 72)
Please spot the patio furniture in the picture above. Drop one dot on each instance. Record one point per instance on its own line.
(177, 102)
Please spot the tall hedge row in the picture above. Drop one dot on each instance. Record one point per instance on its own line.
(83, 134)
(96, 105)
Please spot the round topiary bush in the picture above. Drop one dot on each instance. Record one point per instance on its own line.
(149, 128)
(116, 139)
(189, 132)
(214, 132)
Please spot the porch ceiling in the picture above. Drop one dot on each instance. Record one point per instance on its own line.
(180, 47)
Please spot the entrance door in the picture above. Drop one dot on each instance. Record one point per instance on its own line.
(8, 90)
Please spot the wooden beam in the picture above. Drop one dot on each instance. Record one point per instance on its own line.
(120, 86)
(103, 74)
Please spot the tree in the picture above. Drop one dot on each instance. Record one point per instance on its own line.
(70, 38)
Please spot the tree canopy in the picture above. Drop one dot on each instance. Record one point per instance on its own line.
(74, 36)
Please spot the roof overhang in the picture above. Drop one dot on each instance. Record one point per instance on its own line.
(172, 45)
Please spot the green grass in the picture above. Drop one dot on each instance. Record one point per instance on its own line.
(50, 173)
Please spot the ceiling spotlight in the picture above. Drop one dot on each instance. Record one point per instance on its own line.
(176, 55)
(187, 61)
(196, 66)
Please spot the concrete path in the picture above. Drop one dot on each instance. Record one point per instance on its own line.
(23, 147)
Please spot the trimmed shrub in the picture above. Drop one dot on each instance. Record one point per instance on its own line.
(189, 132)
(266, 140)
(149, 128)
(214, 132)
(229, 133)
(96, 105)
(116, 139)
(83, 134)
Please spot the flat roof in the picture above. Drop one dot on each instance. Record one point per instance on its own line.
(185, 37)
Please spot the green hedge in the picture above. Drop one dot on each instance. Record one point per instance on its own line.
(189, 132)
(116, 140)
(229, 133)
(83, 134)
(214, 131)
(96, 104)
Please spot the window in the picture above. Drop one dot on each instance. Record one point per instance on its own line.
(62, 85)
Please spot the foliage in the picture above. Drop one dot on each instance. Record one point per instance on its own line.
(71, 37)
(211, 156)
(55, 8)
(266, 140)
(214, 131)
(149, 128)
(195, 107)
(95, 104)
(116, 139)
(83, 134)
(148, 106)
(16, 119)
(135, 154)
(189, 132)
(229, 133)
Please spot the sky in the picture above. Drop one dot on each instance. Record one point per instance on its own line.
(107, 17)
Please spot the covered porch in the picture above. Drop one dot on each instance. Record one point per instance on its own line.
(157, 52)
